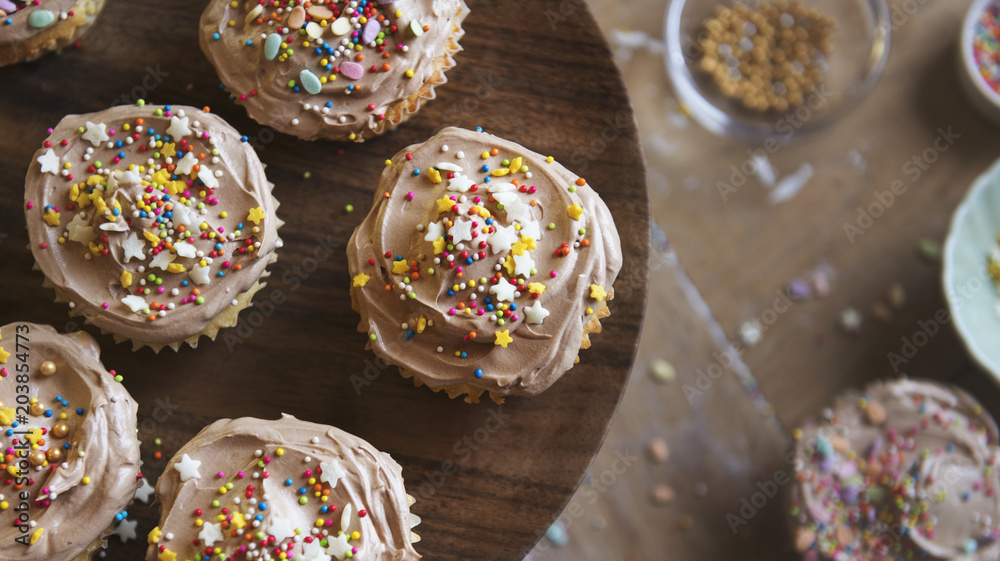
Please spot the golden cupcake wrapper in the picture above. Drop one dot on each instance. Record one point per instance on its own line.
(59, 35)
(226, 318)
(472, 392)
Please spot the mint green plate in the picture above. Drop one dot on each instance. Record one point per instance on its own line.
(969, 289)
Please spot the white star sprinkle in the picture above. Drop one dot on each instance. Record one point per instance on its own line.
(211, 533)
(50, 162)
(143, 493)
(95, 133)
(185, 249)
(80, 231)
(162, 259)
(281, 529)
(182, 215)
(184, 165)
(313, 551)
(523, 265)
(126, 530)
(504, 291)
(135, 303)
(434, 231)
(505, 197)
(178, 128)
(461, 231)
(338, 547)
(501, 187)
(460, 183)
(200, 275)
(332, 472)
(188, 468)
(208, 178)
(535, 313)
(133, 248)
(503, 238)
(517, 210)
(531, 230)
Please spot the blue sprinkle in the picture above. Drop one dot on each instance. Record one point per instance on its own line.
(486, 179)
(48, 412)
(66, 446)
(399, 258)
(966, 496)
(479, 129)
(324, 509)
(185, 283)
(451, 292)
(513, 306)
(262, 506)
(244, 138)
(329, 104)
(222, 274)
(119, 144)
(249, 42)
(479, 373)
(468, 261)
(288, 481)
(216, 36)
(302, 490)
(409, 335)
(416, 171)
(485, 168)
(464, 354)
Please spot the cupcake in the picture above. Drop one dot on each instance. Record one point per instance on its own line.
(905, 470)
(250, 488)
(332, 69)
(482, 266)
(72, 455)
(32, 28)
(154, 223)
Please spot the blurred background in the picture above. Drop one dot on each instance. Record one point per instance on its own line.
(781, 276)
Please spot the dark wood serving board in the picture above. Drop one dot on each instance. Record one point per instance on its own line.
(537, 72)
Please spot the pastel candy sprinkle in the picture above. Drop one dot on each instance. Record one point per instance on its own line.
(271, 46)
(310, 81)
(370, 31)
(341, 26)
(352, 70)
(415, 28)
(41, 18)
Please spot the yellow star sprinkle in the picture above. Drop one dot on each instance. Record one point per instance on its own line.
(444, 204)
(434, 175)
(154, 535)
(361, 279)
(256, 215)
(518, 248)
(400, 267)
(574, 211)
(33, 436)
(597, 292)
(239, 521)
(126, 279)
(503, 338)
(3, 356)
(167, 555)
(536, 287)
(6, 416)
(439, 245)
(51, 218)
(169, 150)
(528, 242)
(510, 265)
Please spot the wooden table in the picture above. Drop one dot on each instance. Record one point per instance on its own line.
(519, 78)
(738, 252)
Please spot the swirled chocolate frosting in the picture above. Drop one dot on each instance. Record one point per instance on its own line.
(905, 470)
(150, 220)
(251, 488)
(71, 455)
(481, 263)
(334, 69)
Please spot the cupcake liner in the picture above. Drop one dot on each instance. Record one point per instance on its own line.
(472, 393)
(399, 112)
(226, 318)
(414, 519)
(99, 543)
(57, 36)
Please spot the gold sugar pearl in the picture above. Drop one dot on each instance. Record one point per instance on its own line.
(37, 458)
(48, 368)
(60, 430)
(38, 408)
(54, 455)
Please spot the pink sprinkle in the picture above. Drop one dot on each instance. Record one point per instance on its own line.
(31, 205)
(553, 274)
(513, 317)
(104, 305)
(160, 289)
(240, 474)
(221, 475)
(409, 195)
(3, 372)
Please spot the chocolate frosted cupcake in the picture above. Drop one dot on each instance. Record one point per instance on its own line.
(483, 266)
(282, 489)
(906, 470)
(329, 68)
(71, 460)
(31, 28)
(155, 223)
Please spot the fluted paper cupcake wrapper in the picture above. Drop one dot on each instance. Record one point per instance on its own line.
(59, 35)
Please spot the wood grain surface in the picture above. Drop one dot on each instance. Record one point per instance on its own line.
(738, 252)
(297, 349)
